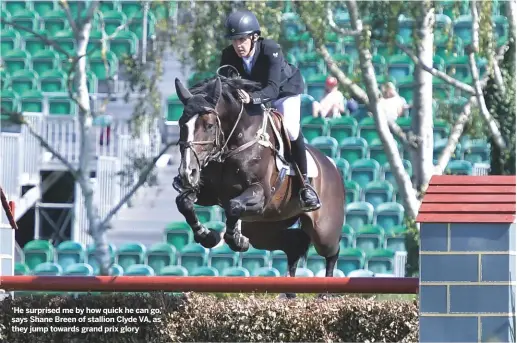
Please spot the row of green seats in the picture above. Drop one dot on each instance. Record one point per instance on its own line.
(386, 215)
(371, 237)
(36, 101)
(51, 19)
(21, 66)
(125, 43)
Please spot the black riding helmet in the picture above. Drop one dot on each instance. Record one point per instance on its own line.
(241, 24)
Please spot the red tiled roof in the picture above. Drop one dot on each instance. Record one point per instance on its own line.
(469, 199)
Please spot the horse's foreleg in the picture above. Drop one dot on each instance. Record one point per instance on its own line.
(206, 237)
(250, 201)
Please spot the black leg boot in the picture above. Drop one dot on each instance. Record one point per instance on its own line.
(308, 196)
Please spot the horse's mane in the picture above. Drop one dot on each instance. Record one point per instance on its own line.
(229, 88)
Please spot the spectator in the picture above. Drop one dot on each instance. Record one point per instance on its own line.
(391, 102)
(332, 105)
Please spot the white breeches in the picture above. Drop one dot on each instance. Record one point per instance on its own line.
(290, 109)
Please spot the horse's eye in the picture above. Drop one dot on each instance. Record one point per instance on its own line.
(210, 126)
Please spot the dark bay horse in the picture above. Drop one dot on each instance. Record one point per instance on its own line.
(227, 159)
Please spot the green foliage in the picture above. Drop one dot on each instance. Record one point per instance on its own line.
(412, 247)
(501, 105)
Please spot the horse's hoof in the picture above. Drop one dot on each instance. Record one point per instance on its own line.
(207, 238)
(323, 296)
(236, 208)
(287, 296)
(237, 242)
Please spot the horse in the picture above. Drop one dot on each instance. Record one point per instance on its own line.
(236, 156)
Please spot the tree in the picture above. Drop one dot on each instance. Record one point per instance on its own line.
(143, 78)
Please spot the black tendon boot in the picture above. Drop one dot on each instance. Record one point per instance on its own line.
(308, 196)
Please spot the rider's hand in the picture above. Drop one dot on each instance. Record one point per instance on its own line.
(244, 96)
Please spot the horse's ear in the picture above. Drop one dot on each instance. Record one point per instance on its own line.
(183, 93)
(217, 90)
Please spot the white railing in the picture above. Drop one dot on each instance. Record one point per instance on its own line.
(12, 164)
(479, 169)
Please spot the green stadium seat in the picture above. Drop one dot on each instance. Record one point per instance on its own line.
(406, 87)
(380, 261)
(476, 151)
(160, 255)
(69, 253)
(378, 192)
(37, 252)
(313, 127)
(395, 238)
(204, 271)
(405, 28)
(222, 257)
(208, 213)
(129, 254)
(367, 130)
(174, 108)
(116, 270)
(108, 5)
(48, 269)
(304, 272)
(349, 48)
(95, 41)
(254, 258)
(137, 24)
(24, 80)
(400, 66)
(458, 167)
(441, 89)
(377, 153)
(34, 44)
(359, 214)
(463, 28)
(54, 21)
(139, 270)
(379, 65)
(389, 214)
(441, 129)
(353, 191)
(6, 16)
(15, 60)
(53, 81)
(332, 43)
(79, 269)
(345, 63)
(343, 166)
(443, 25)
(306, 105)
(9, 39)
(178, 234)
(43, 61)
(353, 149)
(439, 63)
(32, 101)
(350, 259)
(42, 7)
(347, 237)
(323, 272)
(66, 40)
(92, 259)
(25, 18)
(311, 63)
(21, 268)
(97, 66)
(388, 175)
(193, 256)
(316, 85)
(266, 272)
(174, 271)
(235, 271)
(61, 105)
(5, 80)
(9, 99)
(125, 43)
(501, 31)
(279, 261)
(112, 20)
(364, 171)
(341, 128)
(442, 48)
(439, 145)
(369, 237)
(315, 262)
(327, 145)
(131, 7)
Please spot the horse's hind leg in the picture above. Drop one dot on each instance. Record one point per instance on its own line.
(206, 237)
(296, 244)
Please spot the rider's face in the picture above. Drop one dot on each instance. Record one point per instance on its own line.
(242, 46)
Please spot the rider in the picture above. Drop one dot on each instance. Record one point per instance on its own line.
(262, 60)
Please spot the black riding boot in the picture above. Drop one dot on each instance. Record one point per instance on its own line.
(308, 196)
